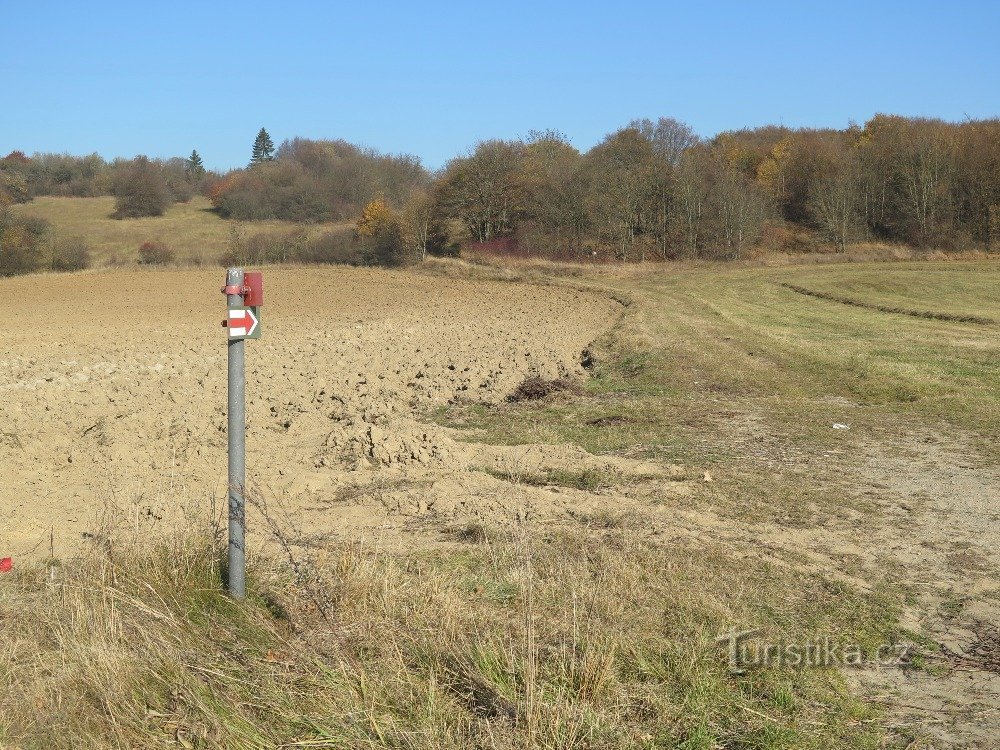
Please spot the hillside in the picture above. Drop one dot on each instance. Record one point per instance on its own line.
(192, 230)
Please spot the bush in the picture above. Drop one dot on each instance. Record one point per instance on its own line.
(70, 254)
(271, 191)
(13, 188)
(388, 248)
(315, 181)
(263, 248)
(155, 253)
(21, 239)
(338, 247)
(141, 191)
(181, 190)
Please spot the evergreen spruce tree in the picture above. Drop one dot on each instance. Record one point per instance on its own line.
(194, 166)
(263, 148)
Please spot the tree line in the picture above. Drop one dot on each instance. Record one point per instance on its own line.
(653, 190)
(649, 190)
(163, 181)
(657, 190)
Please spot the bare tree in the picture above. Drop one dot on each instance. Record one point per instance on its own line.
(670, 138)
(483, 189)
(621, 186)
(836, 202)
(555, 188)
(926, 174)
(418, 212)
(692, 191)
(740, 207)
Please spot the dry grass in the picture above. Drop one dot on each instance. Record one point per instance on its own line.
(581, 639)
(192, 230)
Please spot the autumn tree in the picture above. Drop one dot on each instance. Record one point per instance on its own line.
(381, 233)
(927, 170)
(909, 175)
(835, 199)
(669, 138)
(739, 206)
(772, 172)
(13, 187)
(692, 191)
(554, 188)
(483, 189)
(977, 183)
(418, 219)
(22, 240)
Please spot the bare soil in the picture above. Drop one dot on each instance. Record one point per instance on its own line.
(113, 398)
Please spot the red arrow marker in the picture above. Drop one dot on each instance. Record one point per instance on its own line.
(6, 564)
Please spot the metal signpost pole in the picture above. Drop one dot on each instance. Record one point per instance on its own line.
(237, 447)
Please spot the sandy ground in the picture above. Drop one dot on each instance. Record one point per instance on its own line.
(113, 389)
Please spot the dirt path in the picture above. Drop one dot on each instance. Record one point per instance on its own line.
(944, 536)
(113, 395)
(932, 527)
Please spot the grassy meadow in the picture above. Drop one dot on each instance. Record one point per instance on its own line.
(694, 338)
(194, 232)
(599, 635)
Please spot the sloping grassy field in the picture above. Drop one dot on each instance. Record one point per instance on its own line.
(692, 338)
(916, 289)
(853, 443)
(192, 230)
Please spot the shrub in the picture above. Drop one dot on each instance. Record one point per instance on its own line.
(382, 234)
(181, 190)
(271, 191)
(155, 253)
(21, 239)
(70, 254)
(13, 188)
(338, 247)
(141, 191)
(388, 247)
(263, 248)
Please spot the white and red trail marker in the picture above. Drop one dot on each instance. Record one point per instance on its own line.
(243, 323)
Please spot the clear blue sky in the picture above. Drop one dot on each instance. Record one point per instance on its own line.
(161, 78)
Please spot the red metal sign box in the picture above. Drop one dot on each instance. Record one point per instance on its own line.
(253, 294)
